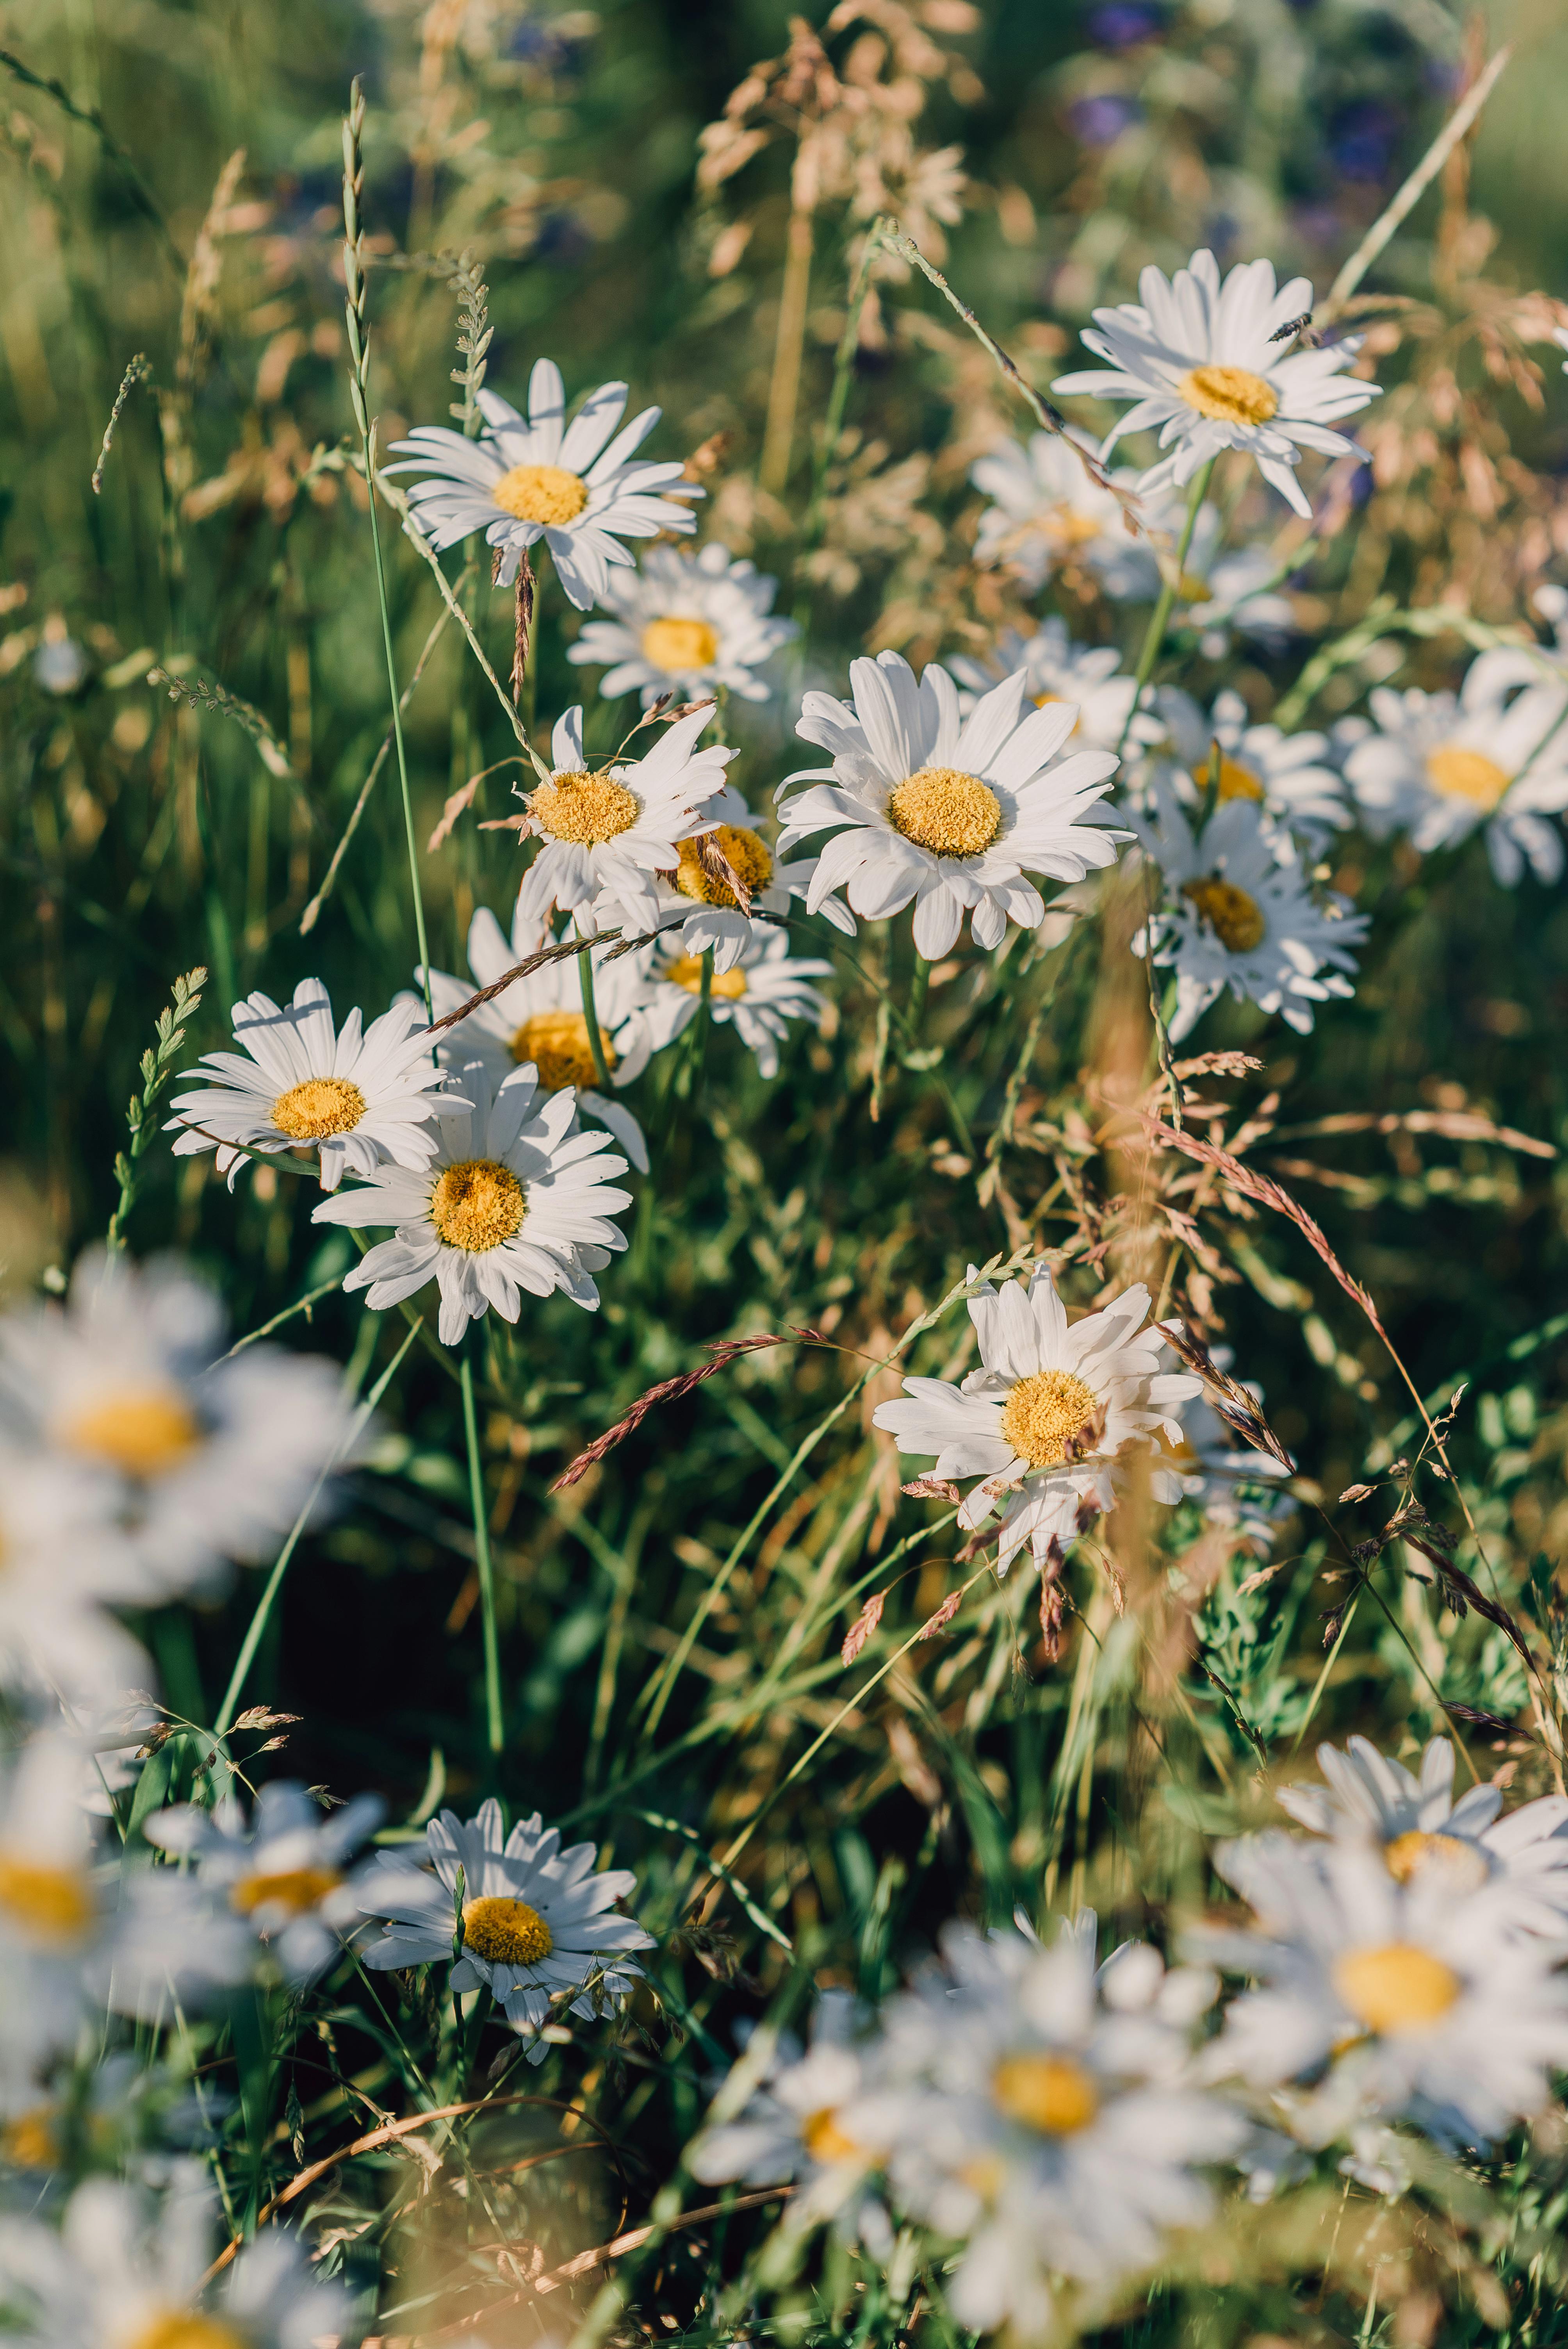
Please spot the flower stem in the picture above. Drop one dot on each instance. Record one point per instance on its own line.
(1160, 618)
(482, 1540)
(918, 987)
(590, 1013)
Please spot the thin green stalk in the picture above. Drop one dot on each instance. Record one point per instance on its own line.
(591, 1014)
(481, 1536)
(917, 991)
(1160, 618)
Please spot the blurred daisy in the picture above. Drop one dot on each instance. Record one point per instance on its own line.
(1370, 1800)
(762, 991)
(209, 1459)
(1045, 1420)
(685, 625)
(172, 1940)
(1234, 1486)
(1196, 358)
(546, 478)
(1437, 766)
(1219, 593)
(517, 1198)
(64, 1563)
(538, 1929)
(1235, 918)
(609, 831)
(538, 1022)
(1285, 775)
(54, 1910)
(285, 1871)
(359, 1101)
(949, 811)
(1089, 677)
(1048, 509)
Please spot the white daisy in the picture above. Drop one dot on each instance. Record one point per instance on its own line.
(1089, 677)
(1197, 359)
(763, 987)
(538, 1022)
(54, 1910)
(951, 813)
(285, 1871)
(1047, 510)
(1438, 766)
(1420, 2006)
(1417, 1826)
(64, 1563)
(209, 1459)
(538, 1929)
(607, 831)
(546, 478)
(1231, 1484)
(687, 626)
(171, 1940)
(360, 1101)
(1048, 1415)
(516, 1199)
(1217, 593)
(1286, 775)
(1235, 917)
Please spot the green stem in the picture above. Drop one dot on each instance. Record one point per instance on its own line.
(918, 987)
(481, 1539)
(1160, 618)
(590, 1013)
(704, 1013)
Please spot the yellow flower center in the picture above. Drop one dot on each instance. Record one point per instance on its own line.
(584, 809)
(1042, 701)
(1395, 1987)
(506, 1932)
(676, 646)
(1044, 1413)
(186, 2328)
(740, 849)
(1049, 2093)
(29, 2141)
(1236, 919)
(687, 971)
(322, 1105)
(1237, 781)
(477, 1205)
(52, 1904)
(1229, 394)
(557, 1042)
(140, 1434)
(1193, 590)
(1467, 775)
(947, 811)
(543, 493)
(824, 2140)
(296, 1889)
(1461, 1865)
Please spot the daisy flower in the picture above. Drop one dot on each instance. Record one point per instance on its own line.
(1231, 1485)
(54, 1911)
(284, 1870)
(1235, 918)
(1196, 358)
(1417, 1827)
(516, 1199)
(763, 987)
(949, 811)
(209, 1459)
(538, 1929)
(608, 831)
(64, 1564)
(359, 1101)
(538, 1022)
(1438, 766)
(1285, 775)
(1421, 2006)
(546, 478)
(1217, 591)
(1089, 677)
(1045, 1420)
(687, 626)
(1048, 509)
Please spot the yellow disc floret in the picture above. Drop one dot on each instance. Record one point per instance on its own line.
(141, 1435)
(1460, 1864)
(687, 971)
(1237, 781)
(1045, 1414)
(52, 1904)
(1236, 919)
(1467, 775)
(558, 1044)
(678, 645)
(477, 1205)
(947, 811)
(185, 2328)
(581, 807)
(542, 493)
(1047, 2092)
(505, 1933)
(322, 1105)
(1396, 1987)
(1229, 394)
(32, 2141)
(296, 1889)
(825, 2141)
(741, 850)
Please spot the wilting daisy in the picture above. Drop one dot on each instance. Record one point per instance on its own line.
(949, 811)
(762, 991)
(608, 831)
(1422, 2007)
(62, 1564)
(1521, 1861)
(359, 1101)
(209, 1459)
(1048, 509)
(539, 1021)
(1438, 766)
(516, 1199)
(1236, 918)
(1049, 2122)
(537, 1927)
(686, 625)
(1090, 676)
(285, 1871)
(1196, 358)
(1285, 775)
(546, 478)
(1052, 1410)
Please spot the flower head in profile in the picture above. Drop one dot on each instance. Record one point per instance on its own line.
(1496, 756)
(1197, 359)
(1233, 1484)
(950, 811)
(571, 484)
(608, 831)
(359, 1100)
(1048, 512)
(1285, 776)
(1089, 677)
(516, 1199)
(1046, 1420)
(686, 625)
(285, 1871)
(537, 1927)
(763, 987)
